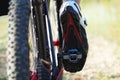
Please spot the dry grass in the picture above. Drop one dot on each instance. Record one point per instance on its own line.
(3, 41)
(103, 62)
(104, 42)
(103, 19)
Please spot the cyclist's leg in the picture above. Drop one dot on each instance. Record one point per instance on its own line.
(77, 1)
(74, 44)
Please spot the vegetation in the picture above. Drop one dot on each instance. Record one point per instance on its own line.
(104, 42)
(103, 18)
(3, 41)
(103, 21)
(3, 33)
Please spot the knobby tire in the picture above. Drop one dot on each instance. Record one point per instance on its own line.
(18, 47)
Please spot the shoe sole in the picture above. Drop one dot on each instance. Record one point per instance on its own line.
(68, 16)
(72, 37)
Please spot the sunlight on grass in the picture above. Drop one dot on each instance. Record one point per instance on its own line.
(3, 33)
(103, 19)
(3, 28)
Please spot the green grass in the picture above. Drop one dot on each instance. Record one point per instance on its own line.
(3, 27)
(3, 43)
(3, 33)
(103, 19)
(3, 79)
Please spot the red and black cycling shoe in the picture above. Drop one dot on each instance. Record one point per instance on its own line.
(74, 44)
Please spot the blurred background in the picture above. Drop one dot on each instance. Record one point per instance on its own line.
(103, 31)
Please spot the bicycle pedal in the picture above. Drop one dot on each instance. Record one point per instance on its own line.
(72, 56)
(72, 60)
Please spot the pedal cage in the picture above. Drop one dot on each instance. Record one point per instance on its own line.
(72, 56)
(72, 60)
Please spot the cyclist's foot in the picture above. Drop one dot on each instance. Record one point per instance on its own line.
(74, 45)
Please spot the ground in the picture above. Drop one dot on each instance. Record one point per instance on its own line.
(102, 62)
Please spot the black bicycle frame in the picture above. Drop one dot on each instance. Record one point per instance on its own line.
(50, 38)
(44, 33)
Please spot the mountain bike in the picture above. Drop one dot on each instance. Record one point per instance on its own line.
(31, 49)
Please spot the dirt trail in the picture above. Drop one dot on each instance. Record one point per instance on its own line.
(2, 66)
(103, 62)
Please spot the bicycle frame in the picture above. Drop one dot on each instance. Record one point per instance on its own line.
(45, 27)
(36, 41)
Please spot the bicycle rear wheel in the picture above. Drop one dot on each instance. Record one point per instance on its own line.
(38, 25)
(18, 48)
